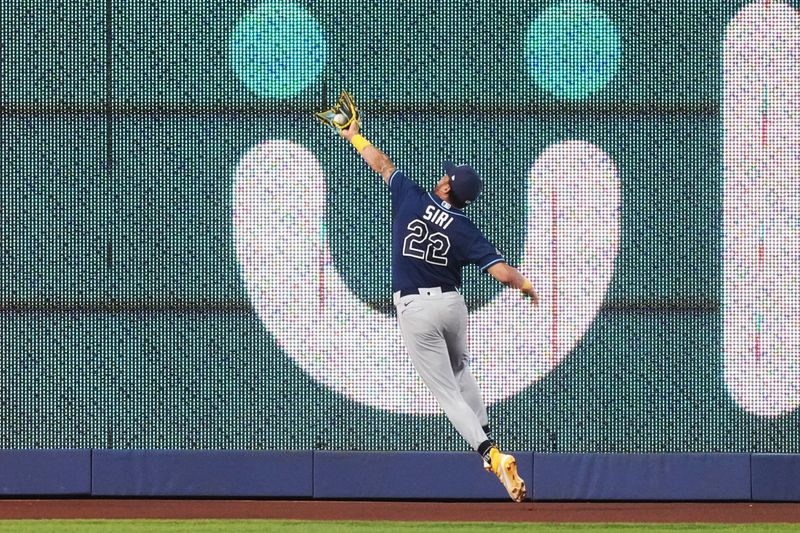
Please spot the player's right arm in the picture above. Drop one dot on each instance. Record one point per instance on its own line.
(508, 275)
(372, 156)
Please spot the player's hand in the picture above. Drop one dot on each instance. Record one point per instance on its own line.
(527, 291)
(530, 293)
(351, 131)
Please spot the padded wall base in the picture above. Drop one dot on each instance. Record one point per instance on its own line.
(202, 473)
(410, 476)
(400, 476)
(642, 477)
(776, 477)
(45, 472)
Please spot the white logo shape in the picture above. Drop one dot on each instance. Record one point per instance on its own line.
(571, 241)
(761, 105)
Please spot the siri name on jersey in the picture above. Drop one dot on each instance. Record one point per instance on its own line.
(437, 216)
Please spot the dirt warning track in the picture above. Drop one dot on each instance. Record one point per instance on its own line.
(654, 512)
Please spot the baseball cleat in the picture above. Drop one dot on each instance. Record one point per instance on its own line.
(505, 468)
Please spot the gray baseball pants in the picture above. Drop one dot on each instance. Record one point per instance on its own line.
(434, 329)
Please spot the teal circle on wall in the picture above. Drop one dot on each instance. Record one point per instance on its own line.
(277, 49)
(572, 49)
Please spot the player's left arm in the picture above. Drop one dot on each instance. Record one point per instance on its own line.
(372, 156)
(490, 260)
(510, 276)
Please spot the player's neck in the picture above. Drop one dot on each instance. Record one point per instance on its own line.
(441, 195)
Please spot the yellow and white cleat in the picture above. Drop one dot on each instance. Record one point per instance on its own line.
(504, 467)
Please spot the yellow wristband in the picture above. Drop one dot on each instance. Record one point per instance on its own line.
(526, 285)
(360, 143)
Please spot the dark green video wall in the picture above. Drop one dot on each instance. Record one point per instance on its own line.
(189, 260)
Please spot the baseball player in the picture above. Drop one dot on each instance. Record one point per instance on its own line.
(432, 239)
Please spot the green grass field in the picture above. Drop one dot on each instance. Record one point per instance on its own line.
(296, 526)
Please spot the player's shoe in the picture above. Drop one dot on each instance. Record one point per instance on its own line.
(504, 467)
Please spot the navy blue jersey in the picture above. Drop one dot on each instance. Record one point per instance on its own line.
(432, 240)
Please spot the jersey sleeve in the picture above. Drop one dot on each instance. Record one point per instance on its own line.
(483, 253)
(400, 187)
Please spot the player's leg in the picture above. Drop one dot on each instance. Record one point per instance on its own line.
(455, 335)
(472, 394)
(504, 466)
(420, 319)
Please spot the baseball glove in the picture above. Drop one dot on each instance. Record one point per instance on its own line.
(341, 115)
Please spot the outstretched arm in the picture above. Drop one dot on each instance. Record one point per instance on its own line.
(375, 159)
(508, 275)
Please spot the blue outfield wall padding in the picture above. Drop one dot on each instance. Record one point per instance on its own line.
(202, 473)
(410, 475)
(641, 476)
(775, 477)
(45, 472)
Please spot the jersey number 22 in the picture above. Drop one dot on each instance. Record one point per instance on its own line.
(421, 244)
